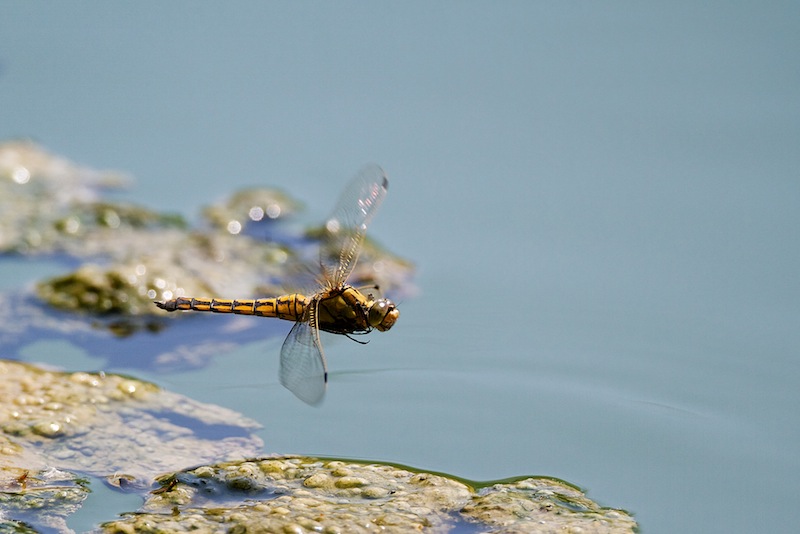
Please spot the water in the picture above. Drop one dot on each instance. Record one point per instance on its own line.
(601, 202)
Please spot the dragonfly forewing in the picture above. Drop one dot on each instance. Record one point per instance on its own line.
(303, 370)
(346, 227)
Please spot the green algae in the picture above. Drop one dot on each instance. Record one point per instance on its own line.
(39, 499)
(248, 206)
(109, 425)
(300, 494)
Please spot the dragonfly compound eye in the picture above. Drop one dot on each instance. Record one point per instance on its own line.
(383, 314)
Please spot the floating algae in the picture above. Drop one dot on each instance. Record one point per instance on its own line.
(32, 499)
(298, 494)
(105, 424)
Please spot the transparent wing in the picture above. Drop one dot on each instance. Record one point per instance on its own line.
(303, 370)
(346, 227)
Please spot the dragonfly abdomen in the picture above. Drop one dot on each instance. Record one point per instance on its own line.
(288, 307)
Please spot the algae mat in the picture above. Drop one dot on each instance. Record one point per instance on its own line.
(298, 494)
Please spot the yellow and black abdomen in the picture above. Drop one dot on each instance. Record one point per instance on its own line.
(288, 307)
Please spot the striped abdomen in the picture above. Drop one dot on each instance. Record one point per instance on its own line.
(289, 307)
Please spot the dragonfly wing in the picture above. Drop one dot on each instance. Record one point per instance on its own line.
(303, 370)
(346, 227)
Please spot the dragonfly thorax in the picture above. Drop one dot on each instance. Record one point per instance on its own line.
(349, 311)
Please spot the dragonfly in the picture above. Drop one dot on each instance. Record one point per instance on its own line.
(335, 307)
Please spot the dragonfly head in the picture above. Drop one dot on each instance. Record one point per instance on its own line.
(382, 314)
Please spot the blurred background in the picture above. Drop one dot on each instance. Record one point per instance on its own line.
(602, 202)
